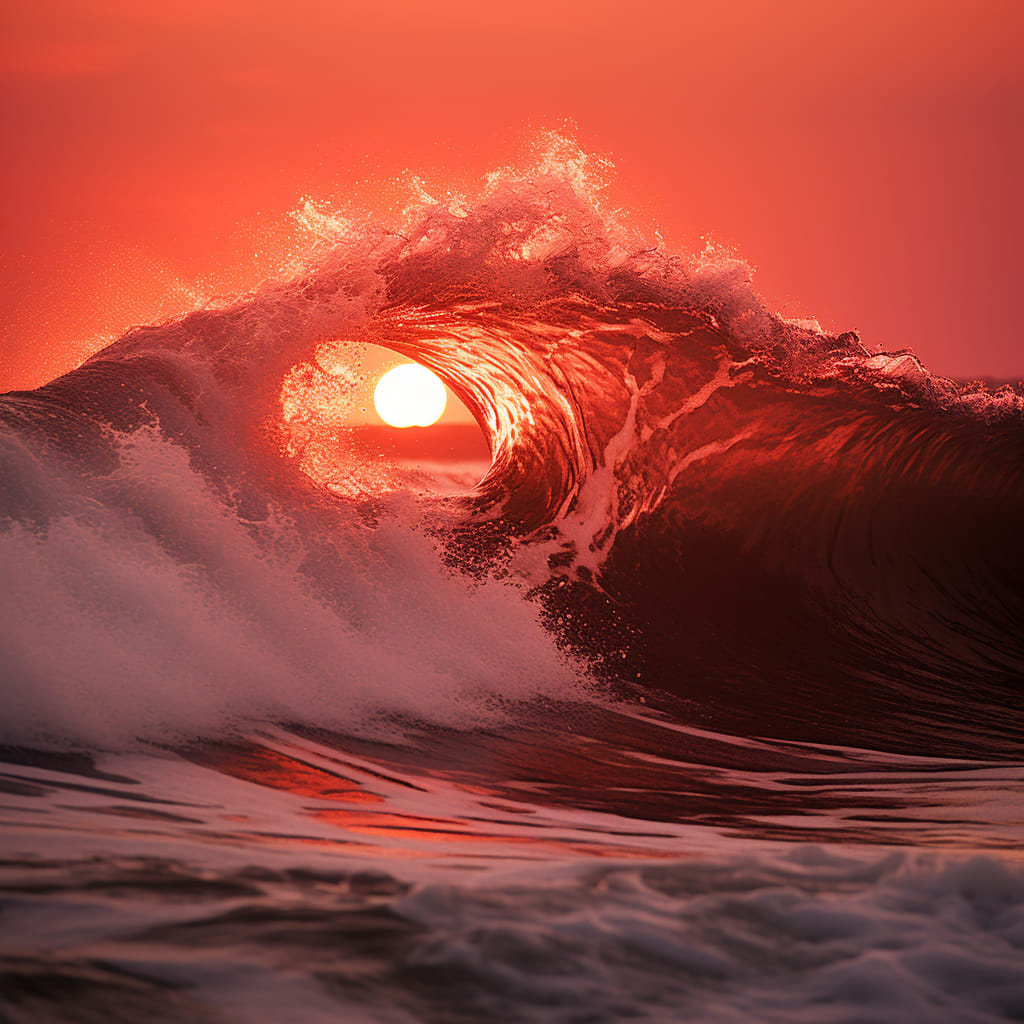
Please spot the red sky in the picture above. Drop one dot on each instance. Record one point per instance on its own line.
(865, 157)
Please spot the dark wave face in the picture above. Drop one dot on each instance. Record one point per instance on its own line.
(728, 581)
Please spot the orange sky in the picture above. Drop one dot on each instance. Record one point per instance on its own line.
(865, 156)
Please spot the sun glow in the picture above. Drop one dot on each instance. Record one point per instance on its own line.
(409, 396)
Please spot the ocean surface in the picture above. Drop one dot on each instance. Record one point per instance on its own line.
(699, 700)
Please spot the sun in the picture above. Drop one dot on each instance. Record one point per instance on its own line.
(409, 396)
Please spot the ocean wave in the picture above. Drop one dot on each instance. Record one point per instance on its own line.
(691, 493)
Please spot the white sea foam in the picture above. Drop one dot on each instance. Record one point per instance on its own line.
(146, 608)
(798, 934)
(807, 935)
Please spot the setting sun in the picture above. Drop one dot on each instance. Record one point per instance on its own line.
(409, 395)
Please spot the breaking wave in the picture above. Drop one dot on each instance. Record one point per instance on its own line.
(687, 494)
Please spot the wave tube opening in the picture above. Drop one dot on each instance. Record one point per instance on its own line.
(331, 427)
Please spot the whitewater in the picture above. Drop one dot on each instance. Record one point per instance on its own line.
(701, 701)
